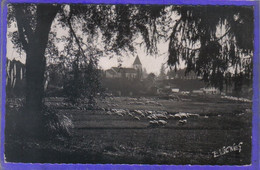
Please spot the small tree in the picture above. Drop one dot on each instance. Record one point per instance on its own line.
(162, 74)
(83, 83)
(91, 82)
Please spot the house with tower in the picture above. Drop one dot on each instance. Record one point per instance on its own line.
(137, 65)
(123, 72)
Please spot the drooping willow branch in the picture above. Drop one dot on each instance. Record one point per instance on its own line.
(188, 48)
(74, 34)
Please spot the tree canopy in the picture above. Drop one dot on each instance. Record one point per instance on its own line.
(212, 40)
(196, 38)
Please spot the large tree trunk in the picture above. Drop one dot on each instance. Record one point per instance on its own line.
(35, 59)
(35, 67)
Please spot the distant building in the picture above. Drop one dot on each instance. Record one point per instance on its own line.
(181, 74)
(190, 82)
(117, 72)
(182, 81)
(197, 91)
(137, 65)
(123, 72)
(210, 90)
(175, 90)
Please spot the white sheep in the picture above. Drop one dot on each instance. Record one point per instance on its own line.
(154, 116)
(162, 122)
(149, 112)
(120, 111)
(183, 115)
(161, 116)
(180, 115)
(137, 118)
(139, 112)
(149, 117)
(182, 121)
(110, 113)
(119, 114)
(153, 123)
(171, 116)
(192, 115)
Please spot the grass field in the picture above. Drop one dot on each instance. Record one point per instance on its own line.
(121, 132)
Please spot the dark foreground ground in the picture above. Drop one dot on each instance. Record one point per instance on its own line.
(111, 135)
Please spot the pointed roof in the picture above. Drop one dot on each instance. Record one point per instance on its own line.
(137, 61)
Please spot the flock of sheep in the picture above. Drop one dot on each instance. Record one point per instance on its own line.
(236, 98)
(155, 118)
(130, 101)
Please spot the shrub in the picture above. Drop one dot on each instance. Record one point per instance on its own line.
(57, 124)
(48, 124)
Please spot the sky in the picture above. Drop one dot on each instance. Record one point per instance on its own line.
(152, 64)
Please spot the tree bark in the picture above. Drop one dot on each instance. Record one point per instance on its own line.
(35, 57)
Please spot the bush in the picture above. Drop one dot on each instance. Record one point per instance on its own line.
(57, 124)
(48, 124)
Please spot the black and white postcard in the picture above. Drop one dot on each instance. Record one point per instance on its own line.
(150, 84)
